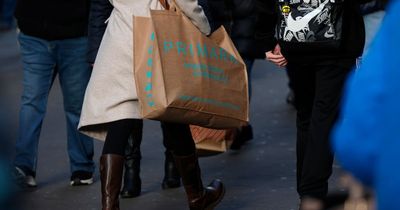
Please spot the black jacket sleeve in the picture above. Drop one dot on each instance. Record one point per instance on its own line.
(221, 14)
(100, 10)
(243, 26)
(238, 18)
(265, 26)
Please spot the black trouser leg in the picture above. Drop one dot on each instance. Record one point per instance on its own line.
(318, 90)
(290, 73)
(172, 178)
(291, 97)
(245, 133)
(304, 104)
(178, 138)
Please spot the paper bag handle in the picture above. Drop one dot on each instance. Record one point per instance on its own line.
(165, 4)
(172, 6)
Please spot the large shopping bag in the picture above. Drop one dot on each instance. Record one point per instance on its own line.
(186, 77)
(213, 140)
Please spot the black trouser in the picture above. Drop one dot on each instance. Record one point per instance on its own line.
(290, 75)
(318, 90)
(177, 137)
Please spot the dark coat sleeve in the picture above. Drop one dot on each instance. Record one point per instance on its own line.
(265, 26)
(238, 17)
(220, 12)
(243, 26)
(100, 10)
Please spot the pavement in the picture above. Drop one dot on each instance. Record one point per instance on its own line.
(261, 176)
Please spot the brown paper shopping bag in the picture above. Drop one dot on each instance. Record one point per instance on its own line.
(212, 139)
(186, 77)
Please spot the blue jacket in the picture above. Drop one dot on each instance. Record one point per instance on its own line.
(367, 137)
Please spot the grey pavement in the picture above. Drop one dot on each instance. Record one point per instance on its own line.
(261, 176)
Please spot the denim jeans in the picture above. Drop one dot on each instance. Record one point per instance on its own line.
(42, 60)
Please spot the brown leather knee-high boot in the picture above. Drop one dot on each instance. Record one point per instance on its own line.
(111, 168)
(199, 198)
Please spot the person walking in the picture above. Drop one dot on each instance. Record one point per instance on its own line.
(239, 19)
(319, 41)
(111, 108)
(100, 11)
(53, 39)
(366, 136)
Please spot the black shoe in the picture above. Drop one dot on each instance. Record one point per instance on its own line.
(79, 178)
(244, 135)
(24, 177)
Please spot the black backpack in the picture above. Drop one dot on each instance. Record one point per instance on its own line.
(310, 25)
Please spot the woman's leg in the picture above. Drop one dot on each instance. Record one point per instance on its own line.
(117, 136)
(172, 178)
(112, 162)
(184, 152)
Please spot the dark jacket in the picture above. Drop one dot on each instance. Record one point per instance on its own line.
(100, 10)
(239, 19)
(351, 45)
(53, 19)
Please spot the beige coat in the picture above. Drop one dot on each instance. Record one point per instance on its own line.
(111, 92)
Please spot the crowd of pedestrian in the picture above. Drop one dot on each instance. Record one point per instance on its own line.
(88, 45)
